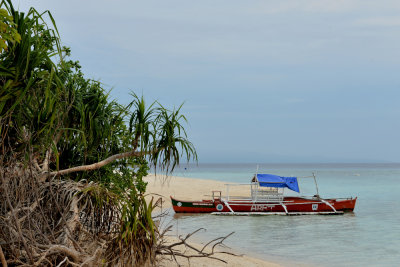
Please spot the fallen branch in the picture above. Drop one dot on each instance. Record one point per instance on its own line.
(170, 250)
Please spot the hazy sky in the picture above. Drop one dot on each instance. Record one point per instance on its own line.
(262, 81)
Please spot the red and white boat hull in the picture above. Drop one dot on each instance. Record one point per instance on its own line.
(287, 205)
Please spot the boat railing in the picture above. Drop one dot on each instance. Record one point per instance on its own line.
(239, 198)
(264, 194)
(238, 184)
(216, 195)
(267, 196)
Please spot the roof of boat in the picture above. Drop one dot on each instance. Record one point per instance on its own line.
(271, 180)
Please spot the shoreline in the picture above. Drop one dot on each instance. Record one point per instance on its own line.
(241, 260)
(196, 189)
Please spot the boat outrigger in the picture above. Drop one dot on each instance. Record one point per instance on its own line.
(267, 198)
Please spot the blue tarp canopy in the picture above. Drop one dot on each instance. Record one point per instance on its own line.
(270, 180)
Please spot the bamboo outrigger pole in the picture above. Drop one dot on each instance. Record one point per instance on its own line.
(316, 185)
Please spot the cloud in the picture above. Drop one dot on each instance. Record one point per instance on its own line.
(379, 21)
(309, 6)
(243, 64)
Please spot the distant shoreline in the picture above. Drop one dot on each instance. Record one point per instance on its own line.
(306, 164)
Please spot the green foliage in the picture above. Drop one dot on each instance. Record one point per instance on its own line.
(160, 131)
(50, 113)
(172, 139)
(8, 31)
(31, 95)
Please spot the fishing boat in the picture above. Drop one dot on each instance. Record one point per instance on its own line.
(267, 198)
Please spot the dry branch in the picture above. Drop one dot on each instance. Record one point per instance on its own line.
(47, 223)
(190, 251)
(2, 258)
(100, 164)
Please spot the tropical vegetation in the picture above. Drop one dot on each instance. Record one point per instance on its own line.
(72, 160)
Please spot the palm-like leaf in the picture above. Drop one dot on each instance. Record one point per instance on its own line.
(28, 73)
(140, 123)
(171, 142)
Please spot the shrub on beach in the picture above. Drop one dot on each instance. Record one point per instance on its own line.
(72, 160)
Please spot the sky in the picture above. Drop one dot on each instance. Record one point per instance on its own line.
(261, 81)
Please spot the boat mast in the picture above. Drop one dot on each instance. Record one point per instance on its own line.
(316, 185)
(255, 185)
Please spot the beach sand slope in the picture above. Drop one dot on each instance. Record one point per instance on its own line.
(197, 189)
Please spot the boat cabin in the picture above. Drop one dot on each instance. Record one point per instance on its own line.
(268, 187)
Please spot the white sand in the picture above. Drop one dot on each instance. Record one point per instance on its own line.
(197, 189)
(236, 261)
(189, 188)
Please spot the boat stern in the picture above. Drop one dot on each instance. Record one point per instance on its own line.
(185, 206)
(346, 205)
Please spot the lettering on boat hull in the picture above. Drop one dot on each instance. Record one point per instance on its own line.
(202, 204)
(261, 207)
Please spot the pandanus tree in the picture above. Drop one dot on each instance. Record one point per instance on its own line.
(72, 160)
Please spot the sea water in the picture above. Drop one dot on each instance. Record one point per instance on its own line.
(369, 236)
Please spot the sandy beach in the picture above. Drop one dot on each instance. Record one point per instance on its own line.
(190, 188)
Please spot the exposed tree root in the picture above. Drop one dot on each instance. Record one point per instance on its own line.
(58, 223)
(2, 258)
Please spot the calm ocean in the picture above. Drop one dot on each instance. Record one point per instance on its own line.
(368, 237)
